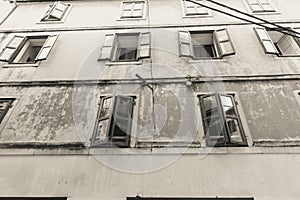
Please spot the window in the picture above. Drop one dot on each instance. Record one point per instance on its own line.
(275, 42)
(5, 105)
(55, 12)
(192, 9)
(260, 6)
(205, 44)
(222, 124)
(133, 9)
(113, 126)
(125, 47)
(27, 49)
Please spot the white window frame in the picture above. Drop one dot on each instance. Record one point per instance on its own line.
(186, 15)
(134, 113)
(62, 20)
(144, 11)
(47, 44)
(217, 43)
(293, 42)
(249, 9)
(109, 45)
(241, 115)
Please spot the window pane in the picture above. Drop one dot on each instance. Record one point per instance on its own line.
(106, 106)
(101, 133)
(234, 130)
(57, 14)
(227, 105)
(203, 51)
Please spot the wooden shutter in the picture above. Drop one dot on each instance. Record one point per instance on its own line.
(107, 47)
(138, 8)
(45, 50)
(144, 45)
(59, 10)
(121, 121)
(11, 48)
(185, 44)
(266, 40)
(223, 42)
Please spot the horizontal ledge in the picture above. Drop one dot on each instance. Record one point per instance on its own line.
(42, 145)
(160, 80)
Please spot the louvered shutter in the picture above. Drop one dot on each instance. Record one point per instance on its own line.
(185, 49)
(107, 47)
(223, 42)
(144, 47)
(266, 40)
(194, 9)
(12, 47)
(45, 50)
(121, 121)
(59, 10)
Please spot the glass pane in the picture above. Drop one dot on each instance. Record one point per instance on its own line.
(3, 105)
(234, 130)
(137, 13)
(138, 6)
(203, 51)
(102, 130)
(121, 127)
(106, 107)
(127, 6)
(227, 105)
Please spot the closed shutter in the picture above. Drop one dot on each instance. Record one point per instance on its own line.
(45, 50)
(266, 40)
(59, 10)
(194, 9)
(107, 47)
(9, 51)
(185, 49)
(121, 121)
(144, 47)
(223, 42)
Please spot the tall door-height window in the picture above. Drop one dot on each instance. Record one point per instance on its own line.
(222, 124)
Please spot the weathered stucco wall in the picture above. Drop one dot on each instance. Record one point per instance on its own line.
(68, 113)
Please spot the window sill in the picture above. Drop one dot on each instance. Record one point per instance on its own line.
(131, 19)
(265, 13)
(18, 65)
(196, 16)
(50, 22)
(109, 63)
(208, 60)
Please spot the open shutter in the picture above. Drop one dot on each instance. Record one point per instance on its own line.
(144, 48)
(59, 10)
(121, 121)
(107, 47)
(185, 44)
(11, 48)
(45, 50)
(266, 40)
(224, 44)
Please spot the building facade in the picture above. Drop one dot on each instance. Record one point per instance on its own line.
(156, 99)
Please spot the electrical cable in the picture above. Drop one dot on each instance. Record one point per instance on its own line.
(255, 17)
(243, 19)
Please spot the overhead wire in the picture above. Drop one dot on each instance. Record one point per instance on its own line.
(247, 20)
